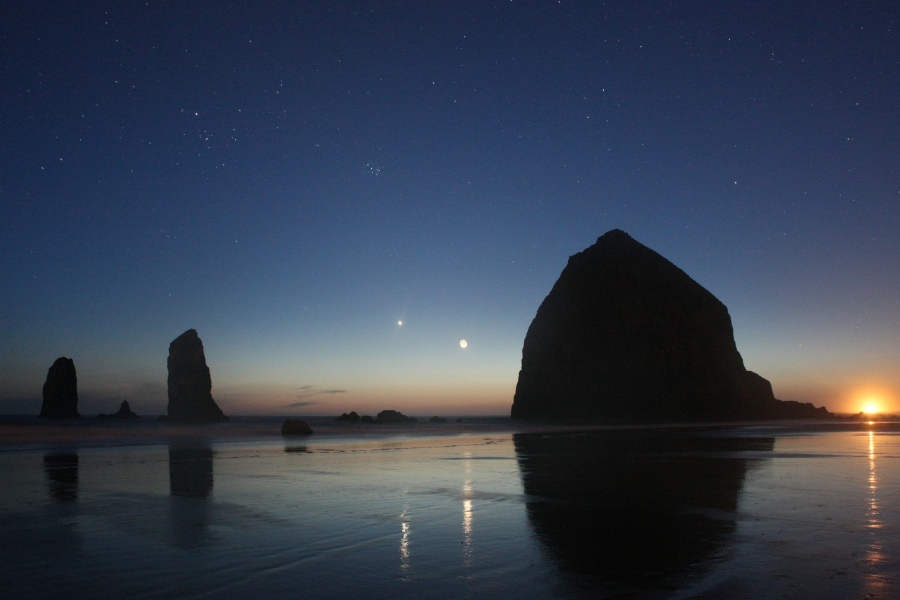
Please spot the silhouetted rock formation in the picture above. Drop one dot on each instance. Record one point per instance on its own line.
(352, 417)
(384, 417)
(638, 509)
(124, 412)
(61, 390)
(626, 335)
(393, 416)
(296, 427)
(190, 386)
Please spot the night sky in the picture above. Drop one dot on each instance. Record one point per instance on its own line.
(293, 179)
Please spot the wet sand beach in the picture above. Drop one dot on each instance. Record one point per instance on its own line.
(477, 509)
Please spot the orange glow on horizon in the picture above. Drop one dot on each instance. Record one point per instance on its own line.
(871, 407)
(871, 400)
(874, 402)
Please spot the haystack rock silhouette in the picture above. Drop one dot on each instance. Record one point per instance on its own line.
(190, 385)
(61, 390)
(625, 335)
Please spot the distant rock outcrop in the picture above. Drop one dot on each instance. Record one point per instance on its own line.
(626, 335)
(296, 427)
(190, 386)
(123, 413)
(384, 417)
(352, 417)
(61, 390)
(394, 416)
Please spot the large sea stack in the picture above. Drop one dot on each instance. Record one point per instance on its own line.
(61, 390)
(190, 386)
(626, 336)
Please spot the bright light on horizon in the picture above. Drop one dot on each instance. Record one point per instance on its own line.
(871, 407)
(873, 401)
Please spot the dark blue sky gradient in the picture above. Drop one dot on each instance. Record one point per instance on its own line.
(291, 179)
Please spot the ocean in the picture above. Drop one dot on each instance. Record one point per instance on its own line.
(484, 510)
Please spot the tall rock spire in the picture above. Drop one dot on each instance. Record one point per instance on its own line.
(190, 385)
(60, 393)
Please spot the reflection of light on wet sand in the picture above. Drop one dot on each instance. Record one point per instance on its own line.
(404, 541)
(467, 528)
(875, 560)
(467, 511)
(872, 516)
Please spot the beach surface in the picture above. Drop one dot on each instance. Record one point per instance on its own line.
(477, 509)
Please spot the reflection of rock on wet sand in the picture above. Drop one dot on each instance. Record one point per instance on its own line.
(642, 508)
(62, 476)
(59, 539)
(190, 482)
(190, 471)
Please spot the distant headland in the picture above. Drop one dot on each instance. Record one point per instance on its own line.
(626, 336)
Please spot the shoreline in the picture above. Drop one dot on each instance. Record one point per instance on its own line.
(25, 433)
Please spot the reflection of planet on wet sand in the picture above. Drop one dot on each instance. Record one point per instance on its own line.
(636, 508)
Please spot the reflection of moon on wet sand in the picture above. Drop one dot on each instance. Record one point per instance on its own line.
(463, 343)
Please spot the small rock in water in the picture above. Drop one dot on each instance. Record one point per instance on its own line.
(394, 416)
(123, 413)
(353, 417)
(296, 427)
